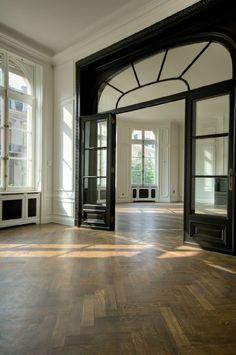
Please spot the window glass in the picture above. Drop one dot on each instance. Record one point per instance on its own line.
(1, 111)
(165, 73)
(149, 163)
(210, 196)
(143, 158)
(212, 115)
(20, 172)
(211, 156)
(18, 79)
(149, 135)
(137, 134)
(95, 190)
(1, 70)
(17, 124)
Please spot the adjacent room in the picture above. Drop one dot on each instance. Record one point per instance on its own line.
(117, 177)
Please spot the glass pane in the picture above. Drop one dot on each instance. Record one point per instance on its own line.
(95, 191)
(149, 171)
(213, 66)
(1, 70)
(212, 115)
(1, 172)
(96, 133)
(212, 156)
(20, 115)
(108, 99)
(149, 150)
(137, 150)
(20, 173)
(149, 164)
(147, 69)
(136, 177)
(20, 144)
(1, 111)
(210, 196)
(149, 135)
(95, 162)
(179, 58)
(153, 91)
(125, 80)
(136, 134)
(18, 79)
(1, 142)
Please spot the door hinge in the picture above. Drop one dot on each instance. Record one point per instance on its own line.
(231, 178)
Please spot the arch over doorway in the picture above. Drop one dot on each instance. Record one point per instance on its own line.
(208, 230)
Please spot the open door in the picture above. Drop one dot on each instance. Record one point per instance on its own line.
(97, 171)
(209, 185)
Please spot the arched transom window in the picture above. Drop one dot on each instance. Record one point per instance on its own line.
(172, 71)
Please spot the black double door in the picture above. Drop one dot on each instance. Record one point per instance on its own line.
(209, 169)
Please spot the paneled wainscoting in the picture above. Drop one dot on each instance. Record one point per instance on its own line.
(138, 290)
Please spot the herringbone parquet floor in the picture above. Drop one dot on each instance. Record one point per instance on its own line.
(138, 290)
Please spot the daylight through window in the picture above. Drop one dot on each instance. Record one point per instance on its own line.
(17, 123)
(143, 158)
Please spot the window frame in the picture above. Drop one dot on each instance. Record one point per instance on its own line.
(31, 99)
(142, 142)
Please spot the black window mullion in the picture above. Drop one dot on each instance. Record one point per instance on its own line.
(205, 136)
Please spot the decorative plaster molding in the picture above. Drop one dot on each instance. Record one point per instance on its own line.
(13, 41)
(115, 29)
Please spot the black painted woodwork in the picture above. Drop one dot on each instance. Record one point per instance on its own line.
(94, 214)
(11, 209)
(210, 231)
(32, 207)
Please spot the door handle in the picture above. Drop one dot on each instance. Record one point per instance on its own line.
(231, 178)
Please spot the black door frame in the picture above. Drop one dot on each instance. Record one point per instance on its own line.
(206, 20)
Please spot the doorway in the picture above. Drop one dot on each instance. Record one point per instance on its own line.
(179, 73)
(150, 168)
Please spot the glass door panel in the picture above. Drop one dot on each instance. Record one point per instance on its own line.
(212, 115)
(210, 155)
(95, 191)
(211, 195)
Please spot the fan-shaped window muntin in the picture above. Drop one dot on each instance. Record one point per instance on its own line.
(194, 65)
(20, 76)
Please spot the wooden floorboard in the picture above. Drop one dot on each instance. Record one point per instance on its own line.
(137, 290)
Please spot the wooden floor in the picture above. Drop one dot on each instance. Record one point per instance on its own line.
(138, 290)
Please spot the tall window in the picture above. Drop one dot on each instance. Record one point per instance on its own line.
(17, 122)
(143, 158)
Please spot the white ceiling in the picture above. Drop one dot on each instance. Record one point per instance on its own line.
(58, 24)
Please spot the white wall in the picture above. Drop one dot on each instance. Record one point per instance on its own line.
(64, 137)
(64, 81)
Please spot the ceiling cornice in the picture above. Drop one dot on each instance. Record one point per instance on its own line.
(16, 42)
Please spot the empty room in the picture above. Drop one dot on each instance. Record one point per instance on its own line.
(117, 177)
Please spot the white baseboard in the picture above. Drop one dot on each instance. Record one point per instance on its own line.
(68, 221)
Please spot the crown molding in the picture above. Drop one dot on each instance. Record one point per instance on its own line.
(15, 42)
(125, 25)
